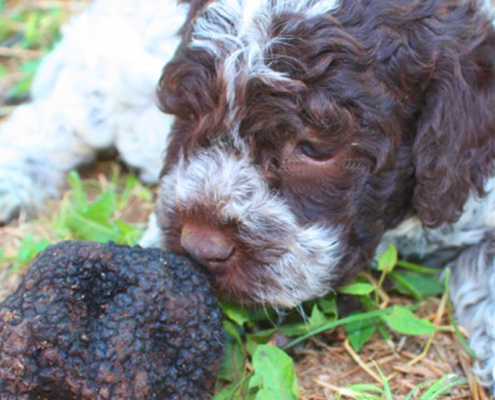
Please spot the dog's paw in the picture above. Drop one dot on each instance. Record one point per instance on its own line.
(24, 191)
(152, 237)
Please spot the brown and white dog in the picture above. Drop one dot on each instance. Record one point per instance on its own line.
(307, 133)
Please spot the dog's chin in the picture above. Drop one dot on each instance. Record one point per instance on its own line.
(246, 290)
(259, 280)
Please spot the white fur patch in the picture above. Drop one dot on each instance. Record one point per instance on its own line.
(301, 259)
(478, 218)
(472, 290)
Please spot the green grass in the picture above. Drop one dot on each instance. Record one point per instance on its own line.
(31, 32)
(79, 218)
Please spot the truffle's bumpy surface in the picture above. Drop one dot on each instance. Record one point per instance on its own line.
(92, 321)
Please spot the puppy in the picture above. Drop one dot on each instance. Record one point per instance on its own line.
(306, 135)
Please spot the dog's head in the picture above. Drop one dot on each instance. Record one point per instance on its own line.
(305, 129)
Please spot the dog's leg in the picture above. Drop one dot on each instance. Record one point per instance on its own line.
(473, 294)
(152, 237)
(37, 146)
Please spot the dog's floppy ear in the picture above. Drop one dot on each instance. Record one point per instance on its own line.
(454, 150)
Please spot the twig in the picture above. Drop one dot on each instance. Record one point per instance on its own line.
(20, 53)
(360, 362)
(473, 383)
(333, 388)
(381, 293)
(441, 309)
(382, 361)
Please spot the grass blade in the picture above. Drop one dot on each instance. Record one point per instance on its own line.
(343, 321)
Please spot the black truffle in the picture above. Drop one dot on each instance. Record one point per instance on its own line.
(92, 321)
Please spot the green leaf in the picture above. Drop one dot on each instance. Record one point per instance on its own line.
(21, 87)
(422, 284)
(351, 392)
(247, 316)
(359, 332)
(328, 305)
(404, 321)
(316, 320)
(103, 208)
(28, 249)
(232, 331)
(333, 324)
(357, 289)
(233, 364)
(30, 67)
(235, 312)
(79, 198)
(388, 260)
(274, 374)
(93, 221)
(417, 268)
(85, 228)
(253, 340)
(128, 234)
(461, 337)
(225, 394)
(403, 286)
(292, 330)
(365, 386)
(31, 30)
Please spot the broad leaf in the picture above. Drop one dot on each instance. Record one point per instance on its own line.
(274, 374)
(357, 289)
(388, 259)
(316, 320)
(359, 332)
(233, 362)
(255, 339)
(236, 313)
(404, 321)
(328, 305)
(425, 285)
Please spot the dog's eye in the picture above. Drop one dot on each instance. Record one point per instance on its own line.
(310, 150)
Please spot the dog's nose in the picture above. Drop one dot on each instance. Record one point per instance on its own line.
(207, 245)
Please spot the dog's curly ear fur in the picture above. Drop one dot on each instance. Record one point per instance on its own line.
(454, 150)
